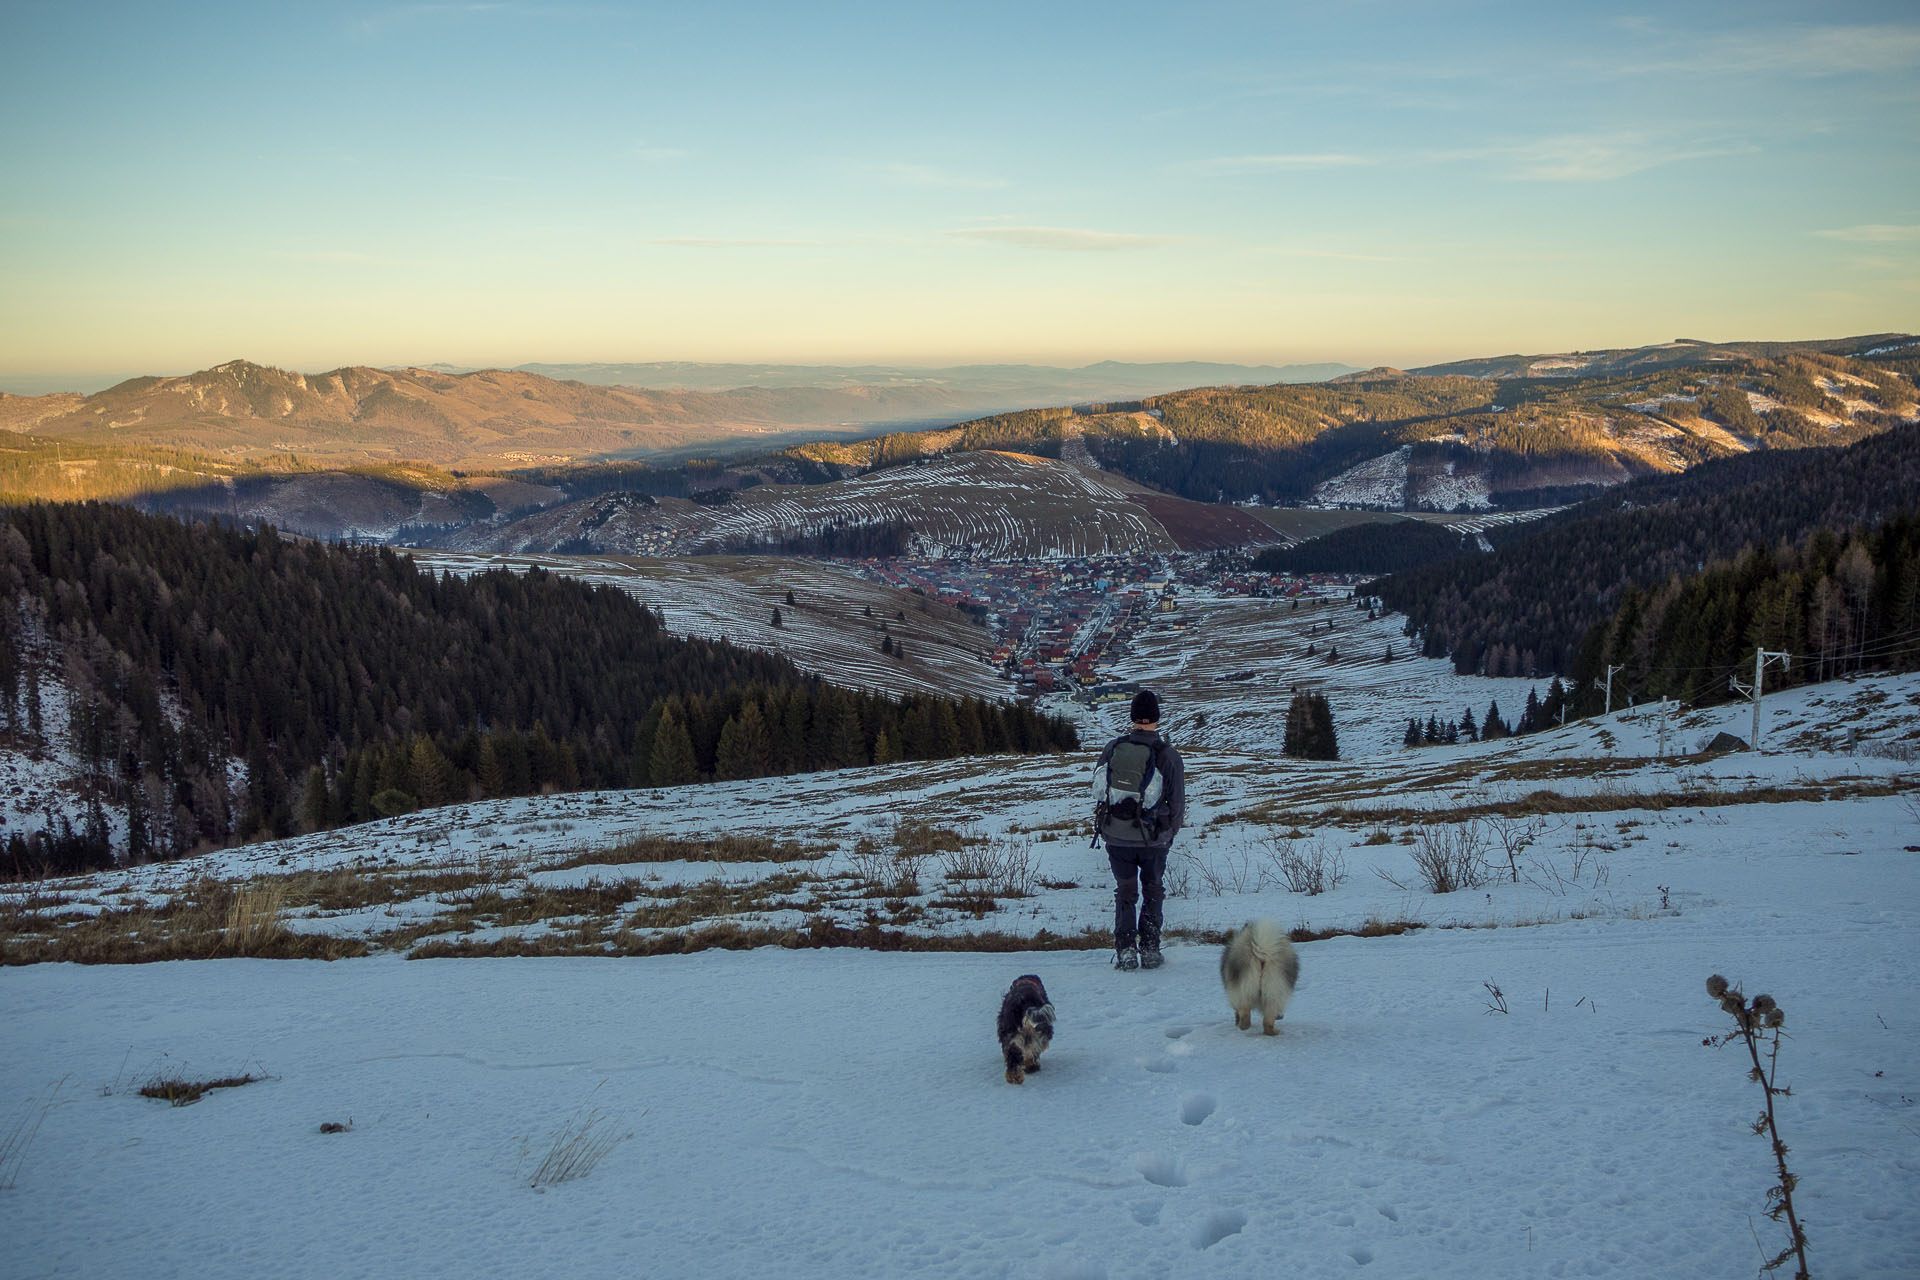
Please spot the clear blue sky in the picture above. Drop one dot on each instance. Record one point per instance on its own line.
(317, 185)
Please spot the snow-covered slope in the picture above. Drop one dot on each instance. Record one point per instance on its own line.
(841, 1112)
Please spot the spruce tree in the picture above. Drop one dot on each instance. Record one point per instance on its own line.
(730, 760)
(671, 763)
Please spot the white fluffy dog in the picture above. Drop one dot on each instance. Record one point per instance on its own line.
(1259, 968)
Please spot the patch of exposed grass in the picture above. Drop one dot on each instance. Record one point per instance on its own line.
(818, 933)
(355, 888)
(180, 1092)
(924, 840)
(1607, 800)
(726, 848)
(205, 920)
(1372, 928)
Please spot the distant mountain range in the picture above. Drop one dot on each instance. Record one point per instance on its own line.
(1621, 361)
(362, 452)
(545, 414)
(999, 386)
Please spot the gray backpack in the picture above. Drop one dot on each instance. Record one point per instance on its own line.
(1127, 791)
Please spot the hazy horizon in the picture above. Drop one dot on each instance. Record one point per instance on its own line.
(489, 185)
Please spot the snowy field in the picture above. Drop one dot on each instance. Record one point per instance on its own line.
(841, 1112)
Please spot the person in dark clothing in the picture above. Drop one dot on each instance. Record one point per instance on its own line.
(1149, 778)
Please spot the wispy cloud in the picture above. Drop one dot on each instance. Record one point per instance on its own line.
(731, 242)
(1282, 162)
(1799, 49)
(1602, 157)
(1873, 233)
(908, 174)
(1064, 239)
(644, 151)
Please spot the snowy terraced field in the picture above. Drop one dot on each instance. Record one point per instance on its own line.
(998, 504)
(992, 502)
(1517, 1089)
(1225, 677)
(826, 631)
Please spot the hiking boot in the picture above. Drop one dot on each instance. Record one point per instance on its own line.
(1150, 957)
(1126, 958)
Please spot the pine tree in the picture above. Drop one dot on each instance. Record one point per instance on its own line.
(776, 615)
(789, 595)
(730, 760)
(884, 752)
(672, 763)
(1468, 729)
(313, 802)
(493, 778)
(1412, 738)
(1321, 739)
(433, 782)
(1492, 726)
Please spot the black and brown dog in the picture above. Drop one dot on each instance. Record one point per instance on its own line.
(1026, 1026)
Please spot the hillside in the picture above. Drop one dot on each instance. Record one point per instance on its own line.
(888, 908)
(1450, 440)
(489, 418)
(1530, 605)
(991, 503)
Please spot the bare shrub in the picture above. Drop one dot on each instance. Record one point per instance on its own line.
(1514, 835)
(580, 1144)
(1579, 869)
(1000, 868)
(1223, 871)
(1305, 868)
(1448, 857)
(887, 875)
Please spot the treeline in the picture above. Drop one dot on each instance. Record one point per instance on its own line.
(862, 540)
(1538, 714)
(1834, 602)
(1379, 547)
(1527, 608)
(740, 732)
(182, 647)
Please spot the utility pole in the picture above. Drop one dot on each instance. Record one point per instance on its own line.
(1760, 659)
(1610, 670)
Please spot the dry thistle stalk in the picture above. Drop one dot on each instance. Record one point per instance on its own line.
(1752, 1023)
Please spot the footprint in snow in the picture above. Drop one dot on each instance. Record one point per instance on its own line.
(1161, 1066)
(1196, 1107)
(1175, 1033)
(1219, 1224)
(1361, 1256)
(1161, 1170)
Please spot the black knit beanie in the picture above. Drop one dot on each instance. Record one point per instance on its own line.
(1146, 708)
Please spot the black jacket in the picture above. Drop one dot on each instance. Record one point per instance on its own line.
(1171, 812)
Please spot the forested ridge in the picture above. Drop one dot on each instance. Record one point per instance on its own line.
(353, 685)
(1383, 547)
(1528, 607)
(1833, 603)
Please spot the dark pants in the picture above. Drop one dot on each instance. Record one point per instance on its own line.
(1137, 874)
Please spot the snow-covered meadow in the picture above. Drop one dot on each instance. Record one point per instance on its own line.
(841, 1112)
